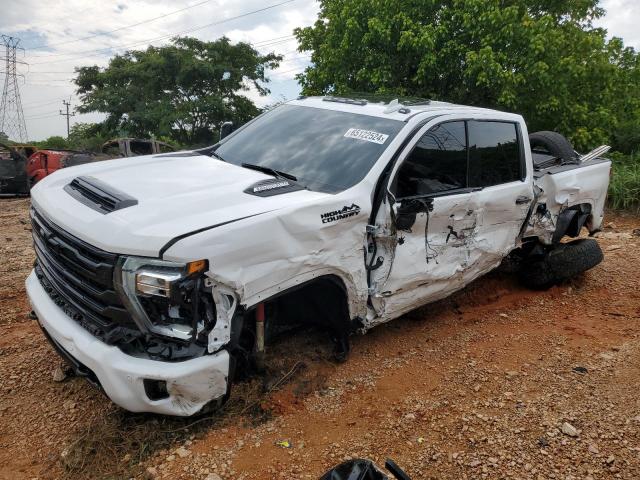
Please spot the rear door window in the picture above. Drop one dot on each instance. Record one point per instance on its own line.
(438, 162)
(494, 153)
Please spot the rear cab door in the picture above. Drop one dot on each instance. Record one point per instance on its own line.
(456, 201)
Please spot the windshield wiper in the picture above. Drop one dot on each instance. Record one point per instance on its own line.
(216, 155)
(269, 171)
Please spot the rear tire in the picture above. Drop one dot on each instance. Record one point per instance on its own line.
(565, 261)
(554, 143)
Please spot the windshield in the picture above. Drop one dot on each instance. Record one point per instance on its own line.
(326, 150)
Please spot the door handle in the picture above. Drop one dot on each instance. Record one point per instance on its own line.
(522, 199)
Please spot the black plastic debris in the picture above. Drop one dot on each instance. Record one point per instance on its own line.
(362, 469)
(358, 469)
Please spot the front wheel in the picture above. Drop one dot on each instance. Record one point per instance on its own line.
(563, 262)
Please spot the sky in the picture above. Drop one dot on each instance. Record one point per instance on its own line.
(58, 35)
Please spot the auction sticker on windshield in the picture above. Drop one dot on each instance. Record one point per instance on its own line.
(367, 135)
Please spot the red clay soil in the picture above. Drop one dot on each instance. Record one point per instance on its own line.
(495, 382)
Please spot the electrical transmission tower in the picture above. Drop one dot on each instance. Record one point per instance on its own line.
(11, 116)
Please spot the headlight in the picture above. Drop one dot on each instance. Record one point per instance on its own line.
(164, 297)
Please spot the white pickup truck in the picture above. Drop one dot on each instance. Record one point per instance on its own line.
(158, 276)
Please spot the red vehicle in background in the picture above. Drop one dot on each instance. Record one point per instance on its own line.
(45, 162)
(22, 166)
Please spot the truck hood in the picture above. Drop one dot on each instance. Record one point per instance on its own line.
(177, 194)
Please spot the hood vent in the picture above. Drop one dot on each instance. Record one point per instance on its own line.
(97, 195)
(274, 186)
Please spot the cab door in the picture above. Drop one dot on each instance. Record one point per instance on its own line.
(444, 222)
(503, 190)
(425, 223)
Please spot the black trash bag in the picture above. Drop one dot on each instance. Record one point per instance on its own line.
(358, 469)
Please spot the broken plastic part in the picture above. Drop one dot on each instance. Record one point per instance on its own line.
(225, 306)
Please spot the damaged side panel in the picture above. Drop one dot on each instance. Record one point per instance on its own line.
(464, 234)
(425, 264)
(463, 237)
(566, 189)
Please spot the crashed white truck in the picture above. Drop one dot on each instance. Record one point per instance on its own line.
(160, 278)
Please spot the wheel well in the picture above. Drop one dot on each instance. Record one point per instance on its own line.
(322, 302)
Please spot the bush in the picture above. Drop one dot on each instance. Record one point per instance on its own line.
(624, 187)
(626, 138)
(53, 143)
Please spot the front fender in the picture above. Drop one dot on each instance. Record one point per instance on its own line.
(262, 256)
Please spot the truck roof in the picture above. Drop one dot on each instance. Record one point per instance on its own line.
(402, 111)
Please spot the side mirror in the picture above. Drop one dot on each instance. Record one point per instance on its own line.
(409, 209)
(226, 129)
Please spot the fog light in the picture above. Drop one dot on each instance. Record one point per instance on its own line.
(155, 389)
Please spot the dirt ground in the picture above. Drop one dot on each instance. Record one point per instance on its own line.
(495, 382)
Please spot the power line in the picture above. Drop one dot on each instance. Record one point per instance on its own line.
(41, 104)
(59, 79)
(278, 42)
(42, 84)
(273, 39)
(276, 73)
(33, 110)
(39, 47)
(44, 115)
(295, 58)
(66, 73)
(42, 118)
(258, 45)
(163, 37)
(71, 79)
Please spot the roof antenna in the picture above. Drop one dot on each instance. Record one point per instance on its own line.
(396, 106)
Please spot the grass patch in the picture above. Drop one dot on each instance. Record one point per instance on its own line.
(624, 187)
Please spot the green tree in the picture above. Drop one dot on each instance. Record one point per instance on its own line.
(183, 91)
(88, 136)
(541, 58)
(55, 142)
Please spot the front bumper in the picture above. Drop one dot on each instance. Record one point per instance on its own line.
(190, 384)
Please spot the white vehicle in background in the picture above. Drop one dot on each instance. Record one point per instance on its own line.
(160, 277)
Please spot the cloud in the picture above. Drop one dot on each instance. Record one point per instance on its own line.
(621, 20)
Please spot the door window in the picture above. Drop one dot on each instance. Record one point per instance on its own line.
(494, 153)
(437, 163)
